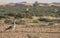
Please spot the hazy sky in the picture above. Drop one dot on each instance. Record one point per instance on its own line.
(47, 1)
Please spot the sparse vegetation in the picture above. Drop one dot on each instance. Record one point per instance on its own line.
(26, 21)
(32, 36)
(20, 22)
(20, 12)
(8, 21)
(45, 20)
(35, 21)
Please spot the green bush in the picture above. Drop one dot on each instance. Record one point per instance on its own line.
(20, 22)
(32, 36)
(35, 10)
(46, 20)
(8, 21)
(35, 21)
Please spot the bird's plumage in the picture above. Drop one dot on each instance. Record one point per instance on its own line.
(10, 27)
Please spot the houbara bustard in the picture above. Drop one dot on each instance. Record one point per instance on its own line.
(8, 28)
(11, 27)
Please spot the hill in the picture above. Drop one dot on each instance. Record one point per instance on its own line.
(3, 3)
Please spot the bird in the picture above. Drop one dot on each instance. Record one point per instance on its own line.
(11, 27)
(8, 28)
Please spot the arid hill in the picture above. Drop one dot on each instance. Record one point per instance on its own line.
(3, 3)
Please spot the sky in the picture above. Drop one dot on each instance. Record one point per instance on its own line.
(44, 1)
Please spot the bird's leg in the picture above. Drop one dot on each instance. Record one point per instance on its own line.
(14, 26)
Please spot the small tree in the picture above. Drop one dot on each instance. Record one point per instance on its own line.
(36, 3)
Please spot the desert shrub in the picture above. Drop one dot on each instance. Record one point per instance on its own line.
(35, 21)
(16, 31)
(28, 36)
(58, 20)
(46, 20)
(28, 15)
(8, 21)
(20, 22)
(35, 10)
(10, 14)
(2, 16)
(51, 24)
(19, 15)
(32, 36)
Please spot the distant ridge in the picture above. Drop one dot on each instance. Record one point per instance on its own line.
(20, 3)
(3, 3)
(29, 4)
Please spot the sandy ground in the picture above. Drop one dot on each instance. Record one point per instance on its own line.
(25, 31)
(31, 30)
